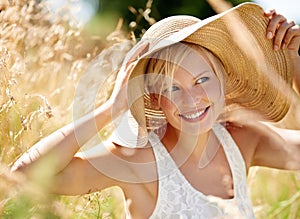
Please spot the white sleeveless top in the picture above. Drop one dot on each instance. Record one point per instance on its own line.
(177, 198)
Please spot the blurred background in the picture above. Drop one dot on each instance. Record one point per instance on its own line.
(46, 47)
(104, 12)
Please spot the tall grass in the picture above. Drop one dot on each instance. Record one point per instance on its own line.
(42, 60)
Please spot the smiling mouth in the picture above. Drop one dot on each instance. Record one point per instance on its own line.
(195, 115)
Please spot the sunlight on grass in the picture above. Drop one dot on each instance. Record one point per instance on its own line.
(275, 193)
(41, 61)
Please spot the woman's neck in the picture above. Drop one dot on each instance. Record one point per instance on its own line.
(183, 145)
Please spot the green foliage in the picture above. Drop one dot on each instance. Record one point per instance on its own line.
(134, 10)
(275, 193)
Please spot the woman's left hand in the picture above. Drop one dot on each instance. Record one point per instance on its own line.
(285, 35)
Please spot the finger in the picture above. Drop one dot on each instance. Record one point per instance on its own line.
(269, 13)
(129, 68)
(125, 71)
(139, 49)
(274, 23)
(291, 39)
(280, 35)
(133, 56)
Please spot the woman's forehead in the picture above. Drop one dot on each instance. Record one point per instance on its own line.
(193, 64)
(181, 60)
(183, 55)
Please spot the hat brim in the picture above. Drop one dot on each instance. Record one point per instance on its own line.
(257, 77)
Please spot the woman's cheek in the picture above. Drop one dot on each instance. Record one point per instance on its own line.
(171, 106)
(216, 98)
(214, 93)
(166, 103)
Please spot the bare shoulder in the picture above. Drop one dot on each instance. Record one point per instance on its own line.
(119, 162)
(247, 137)
(103, 166)
(138, 182)
(140, 161)
(132, 154)
(273, 146)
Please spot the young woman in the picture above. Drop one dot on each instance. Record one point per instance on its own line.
(188, 158)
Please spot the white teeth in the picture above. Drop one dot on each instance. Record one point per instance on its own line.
(193, 115)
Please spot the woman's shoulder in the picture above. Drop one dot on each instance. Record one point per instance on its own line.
(246, 137)
(139, 161)
(132, 154)
(125, 157)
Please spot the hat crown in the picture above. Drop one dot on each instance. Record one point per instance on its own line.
(167, 27)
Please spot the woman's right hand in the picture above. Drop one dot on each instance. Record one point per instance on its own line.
(118, 97)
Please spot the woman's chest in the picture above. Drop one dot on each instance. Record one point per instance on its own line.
(214, 179)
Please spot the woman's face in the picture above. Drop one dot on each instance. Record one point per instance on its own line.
(195, 98)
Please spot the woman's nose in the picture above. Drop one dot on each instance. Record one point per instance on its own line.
(194, 96)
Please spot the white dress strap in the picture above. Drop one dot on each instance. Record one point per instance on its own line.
(177, 198)
(237, 166)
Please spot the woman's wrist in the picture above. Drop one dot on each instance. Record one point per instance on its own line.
(107, 112)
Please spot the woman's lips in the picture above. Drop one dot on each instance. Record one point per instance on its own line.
(195, 116)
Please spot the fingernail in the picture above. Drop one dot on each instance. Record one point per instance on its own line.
(276, 47)
(270, 35)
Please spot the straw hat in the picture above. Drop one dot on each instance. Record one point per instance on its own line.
(256, 75)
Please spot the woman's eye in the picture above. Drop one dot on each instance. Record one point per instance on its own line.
(174, 88)
(202, 80)
(171, 89)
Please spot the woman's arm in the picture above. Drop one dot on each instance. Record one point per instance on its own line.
(61, 146)
(277, 148)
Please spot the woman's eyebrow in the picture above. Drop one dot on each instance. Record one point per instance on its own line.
(200, 74)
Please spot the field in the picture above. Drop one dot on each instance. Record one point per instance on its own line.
(43, 61)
